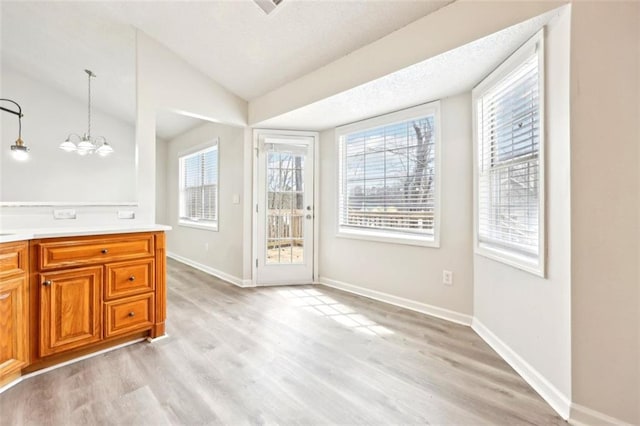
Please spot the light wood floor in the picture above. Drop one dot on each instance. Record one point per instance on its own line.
(288, 355)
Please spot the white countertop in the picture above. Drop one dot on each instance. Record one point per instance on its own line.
(8, 235)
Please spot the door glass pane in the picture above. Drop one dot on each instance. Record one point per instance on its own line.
(285, 213)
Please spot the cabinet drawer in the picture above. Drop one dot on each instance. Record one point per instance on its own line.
(129, 314)
(13, 259)
(73, 252)
(129, 278)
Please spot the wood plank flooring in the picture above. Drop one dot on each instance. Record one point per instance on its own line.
(283, 355)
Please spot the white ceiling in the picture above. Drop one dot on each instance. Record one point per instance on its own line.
(251, 53)
(242, 48)
(450, 73)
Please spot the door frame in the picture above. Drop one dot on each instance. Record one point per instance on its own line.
(254, 201)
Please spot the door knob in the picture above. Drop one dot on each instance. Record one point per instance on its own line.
(132, 314)
(308, 216)
(47, 283)
(104, 251)
(309, 208)
(132, 278)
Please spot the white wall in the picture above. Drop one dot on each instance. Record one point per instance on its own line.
(528, 314)
(220, 250)
(405, 271)
(161, 182)
(605, 113)
(166, 82)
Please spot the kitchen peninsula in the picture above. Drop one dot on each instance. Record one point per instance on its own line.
(67, 293)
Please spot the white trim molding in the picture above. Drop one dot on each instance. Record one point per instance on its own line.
(556, 399)
(583, 416)
(211, 271)
(434, 311)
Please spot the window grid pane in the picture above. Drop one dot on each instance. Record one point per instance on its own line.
(387, 178)
(509, 145)
(199, 186)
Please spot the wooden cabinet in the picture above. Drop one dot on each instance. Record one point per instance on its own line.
(70, 309)
(92, 292)
(14, 313)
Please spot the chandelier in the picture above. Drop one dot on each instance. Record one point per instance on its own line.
(86, 144)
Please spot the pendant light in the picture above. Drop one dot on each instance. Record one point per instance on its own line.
(86, 144)
(19, 150)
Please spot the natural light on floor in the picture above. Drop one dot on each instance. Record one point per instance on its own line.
(317, 303)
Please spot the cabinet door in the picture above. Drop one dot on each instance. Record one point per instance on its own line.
(13, 325)
(70, 309)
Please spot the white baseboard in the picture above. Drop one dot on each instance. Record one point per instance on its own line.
(583, 416)
(556, 399)
(434, 311)
(211, 271)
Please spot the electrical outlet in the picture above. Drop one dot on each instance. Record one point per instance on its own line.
(126, 214)
(447, 277)
(64, 214)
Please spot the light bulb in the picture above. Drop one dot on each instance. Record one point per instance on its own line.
(20, 151)
(20, 155)
(68, 146)
(104, 149)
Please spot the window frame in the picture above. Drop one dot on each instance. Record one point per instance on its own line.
(381, 235)
(498, 252)
(183, 155)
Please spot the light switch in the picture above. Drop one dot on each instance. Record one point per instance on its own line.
(236, 199)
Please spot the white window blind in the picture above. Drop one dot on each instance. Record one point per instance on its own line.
(388, 178)
(509, 161)
(199, 187)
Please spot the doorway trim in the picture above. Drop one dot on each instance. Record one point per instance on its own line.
(257, 133)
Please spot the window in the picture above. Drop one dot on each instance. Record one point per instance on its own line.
(388, 177)
(510, 162)
(199, 188)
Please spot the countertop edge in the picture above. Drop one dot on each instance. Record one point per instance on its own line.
(13, 235)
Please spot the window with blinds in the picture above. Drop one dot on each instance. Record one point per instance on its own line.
(388, 176)
(199, 187)
(508, 107)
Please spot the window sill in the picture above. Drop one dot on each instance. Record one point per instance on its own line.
(197, 225)
(383, 237)
(533, 265)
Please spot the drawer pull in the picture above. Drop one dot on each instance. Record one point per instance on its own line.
(132, 314)
(104, 251)
(4, 296)
(132, 278)
(47, 283)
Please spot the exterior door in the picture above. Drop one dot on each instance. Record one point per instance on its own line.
(285, 211)
(70, 309)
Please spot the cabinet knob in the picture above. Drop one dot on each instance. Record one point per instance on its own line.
(132, 314)
(47, 283)
(132, 278)
(104, 251)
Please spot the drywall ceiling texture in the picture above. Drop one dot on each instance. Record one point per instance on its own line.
(452, 72)
(54, 42)
(261, 52)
